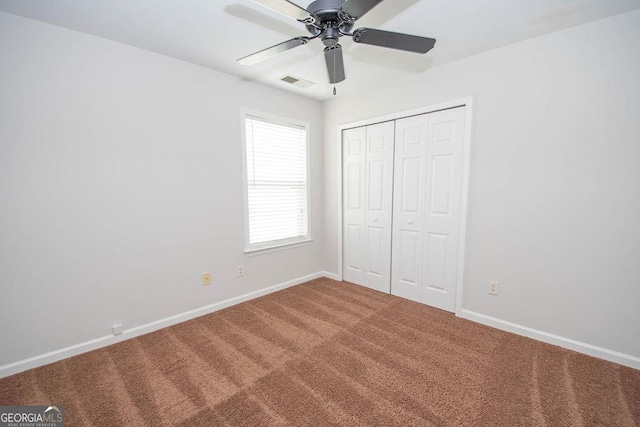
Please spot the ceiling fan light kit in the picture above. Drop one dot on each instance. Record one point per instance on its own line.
(329, 20)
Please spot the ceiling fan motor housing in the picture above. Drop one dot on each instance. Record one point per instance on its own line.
(330, 20)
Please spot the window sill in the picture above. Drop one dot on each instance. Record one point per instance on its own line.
(277, 248)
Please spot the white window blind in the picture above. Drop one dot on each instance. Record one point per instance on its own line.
(276, 182)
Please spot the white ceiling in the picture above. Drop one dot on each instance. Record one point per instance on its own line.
(214, 33)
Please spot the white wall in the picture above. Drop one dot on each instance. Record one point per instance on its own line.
(554, 204)
(120, 183)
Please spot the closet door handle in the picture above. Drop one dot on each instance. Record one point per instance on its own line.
(410, 221)
(375, 220)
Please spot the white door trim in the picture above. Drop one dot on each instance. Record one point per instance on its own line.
(462, 102)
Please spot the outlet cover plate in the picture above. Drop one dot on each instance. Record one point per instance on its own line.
(494, 287)
(206, 279)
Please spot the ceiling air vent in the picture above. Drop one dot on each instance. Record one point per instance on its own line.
(301, 83)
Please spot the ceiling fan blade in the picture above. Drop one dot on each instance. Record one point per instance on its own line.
(335, 64)
(258, 17)
(391, 40)
(289, 9)
(357, 8)
(272, 51)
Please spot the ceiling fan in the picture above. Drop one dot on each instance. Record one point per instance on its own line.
(329, 20)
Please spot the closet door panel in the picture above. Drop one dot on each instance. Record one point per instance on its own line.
(378, 213)
(408, 206)
(353, 193)
(443, 198)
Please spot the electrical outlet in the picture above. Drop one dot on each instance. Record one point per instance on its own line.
(493, 288)
(240, 271)
(117, 329)
(206, 279)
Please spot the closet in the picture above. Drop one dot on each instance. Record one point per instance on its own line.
(402, 198)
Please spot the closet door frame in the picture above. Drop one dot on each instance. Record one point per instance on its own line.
(463, 102)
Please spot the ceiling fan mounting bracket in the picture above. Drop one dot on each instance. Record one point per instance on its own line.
(310, 21)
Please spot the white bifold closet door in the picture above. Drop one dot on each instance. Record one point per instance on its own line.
(367, 204)
(427, 207)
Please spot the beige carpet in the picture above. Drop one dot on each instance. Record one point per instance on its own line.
(330, 353)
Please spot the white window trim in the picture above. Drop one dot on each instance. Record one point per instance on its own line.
(277, 247)
(273, 246)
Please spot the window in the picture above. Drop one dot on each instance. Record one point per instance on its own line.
(276, 182)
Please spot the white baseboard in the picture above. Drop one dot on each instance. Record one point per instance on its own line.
(330, 275)
(591, 350)
(74, 350)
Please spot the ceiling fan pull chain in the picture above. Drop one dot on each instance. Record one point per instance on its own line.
(334, 73)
